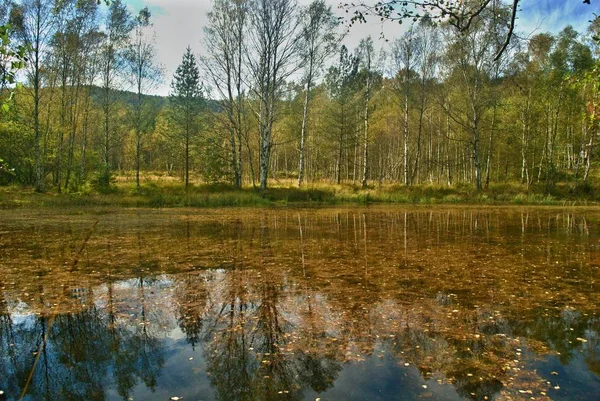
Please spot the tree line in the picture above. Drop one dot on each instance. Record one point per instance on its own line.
(275, 95)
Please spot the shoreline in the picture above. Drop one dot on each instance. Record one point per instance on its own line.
(156, 196)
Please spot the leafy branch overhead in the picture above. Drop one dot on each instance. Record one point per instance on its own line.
(13, 59)
(458, 13)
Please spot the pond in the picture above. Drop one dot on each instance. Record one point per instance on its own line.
(381, 303)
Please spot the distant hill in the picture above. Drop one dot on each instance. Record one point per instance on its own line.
(129, 98)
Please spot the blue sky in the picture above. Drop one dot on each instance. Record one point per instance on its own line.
(179, 23)
(553, 15)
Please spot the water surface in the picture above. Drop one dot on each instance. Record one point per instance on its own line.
(336, 304)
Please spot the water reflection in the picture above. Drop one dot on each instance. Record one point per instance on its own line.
(266, 305)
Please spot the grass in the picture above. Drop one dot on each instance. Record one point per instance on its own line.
(169, 194)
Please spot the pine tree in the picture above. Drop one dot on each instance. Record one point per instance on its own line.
(187, 102)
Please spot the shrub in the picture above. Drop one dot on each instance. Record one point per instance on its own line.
(103, 182)
(7, 174)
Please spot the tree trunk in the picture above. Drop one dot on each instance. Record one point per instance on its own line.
(491, 149)
(366, 135)
(187, 160)
(39, 163)
(590, 148)
(63, 123)
(304, 123)
(84, 133)
(415, 173)
(265, 155)
(107, 123)
(525, 144)
(138, 132)
(476, 150)
(406, 127)
(339, 158)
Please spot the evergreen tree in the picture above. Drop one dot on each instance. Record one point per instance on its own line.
(187, 101)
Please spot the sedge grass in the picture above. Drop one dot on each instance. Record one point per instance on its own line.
(170, 193)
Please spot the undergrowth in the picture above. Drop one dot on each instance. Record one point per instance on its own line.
(174, 194)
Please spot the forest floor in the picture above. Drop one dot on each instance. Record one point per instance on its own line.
(157, 194)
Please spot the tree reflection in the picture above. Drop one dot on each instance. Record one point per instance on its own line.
(248, 340)
(82, 351)
(278, 304)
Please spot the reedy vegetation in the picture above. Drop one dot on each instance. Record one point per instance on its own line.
(290, 101)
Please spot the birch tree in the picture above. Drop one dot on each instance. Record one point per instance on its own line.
(429, 47)
(366, 55)
(118, 28)
(72, 48)
(144, 73)
(273, 57)
(341, 82)
(470, 57)
(405, 52)
(35, 21)
(318, 41)
(224, 65)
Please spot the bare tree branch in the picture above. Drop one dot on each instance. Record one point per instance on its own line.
(511, 29)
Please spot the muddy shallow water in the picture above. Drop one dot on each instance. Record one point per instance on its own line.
(382, 303)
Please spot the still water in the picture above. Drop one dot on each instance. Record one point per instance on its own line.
(294, 304)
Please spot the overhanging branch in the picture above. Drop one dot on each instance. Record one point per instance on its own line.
(511, 29)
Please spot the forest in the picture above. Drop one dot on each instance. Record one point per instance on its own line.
(276, 98)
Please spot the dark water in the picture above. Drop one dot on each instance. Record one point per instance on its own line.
(348, 304)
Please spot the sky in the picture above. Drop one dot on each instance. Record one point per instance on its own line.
(179, 23)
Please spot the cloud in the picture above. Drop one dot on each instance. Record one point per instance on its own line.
(179, 23)
(553, 16)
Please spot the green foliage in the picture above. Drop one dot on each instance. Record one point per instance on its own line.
(7, 174)
(187, 103)
(103, 182)
(533, 116)
(213, 165)
(13, 59)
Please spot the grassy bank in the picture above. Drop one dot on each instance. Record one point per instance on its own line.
(172, 194)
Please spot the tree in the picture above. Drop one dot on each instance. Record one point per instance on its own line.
(272, 59)
(187, 101)
(72, 49)
(428, 48)
(93, 49)
(34, 22)
(366, 54)
(143, 72)
(224, 64)
(319, 39)
(341, 81)
(118, 27)
(470, 60)
(405, 52)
